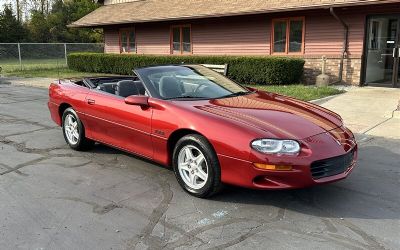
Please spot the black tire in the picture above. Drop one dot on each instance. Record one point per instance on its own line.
(213, 184)
(82, 143)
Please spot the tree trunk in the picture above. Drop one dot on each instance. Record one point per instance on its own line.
(18, 6)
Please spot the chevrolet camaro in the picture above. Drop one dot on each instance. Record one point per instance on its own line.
(209, 129)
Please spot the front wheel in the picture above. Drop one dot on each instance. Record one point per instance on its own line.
(196, 166)
(74, 132)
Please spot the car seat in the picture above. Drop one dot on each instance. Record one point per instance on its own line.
(126, 88)
(170, 87)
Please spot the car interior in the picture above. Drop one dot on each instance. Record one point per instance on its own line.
(168, 84)
(121, 86)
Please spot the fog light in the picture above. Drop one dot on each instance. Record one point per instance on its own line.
(273, 167)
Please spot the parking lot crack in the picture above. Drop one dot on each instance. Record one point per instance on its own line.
(155, 216)
(192, 235)
(25, 132)
(9, 118)
(252, 231)
(10, 168)
(19, 166)
(371, 242)
(21, 147)
(381, 123)
(96, 208)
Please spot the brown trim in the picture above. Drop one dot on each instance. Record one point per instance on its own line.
(171, 39)
(127, 31)
(288, 20)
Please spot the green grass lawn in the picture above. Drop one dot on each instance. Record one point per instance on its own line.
(9, 65)
(302, 92)
(51, 68)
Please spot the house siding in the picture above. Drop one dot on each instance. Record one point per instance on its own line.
(235, 37)
(324, 34)
(111, 40)
(153, 39)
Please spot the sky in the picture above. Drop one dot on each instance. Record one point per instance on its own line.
(12, 2)
(2, 2)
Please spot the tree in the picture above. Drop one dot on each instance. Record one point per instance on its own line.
(42, 6)
(47, 24)
(66, 12)
(39, 28)
(11, 30)
(52, 27)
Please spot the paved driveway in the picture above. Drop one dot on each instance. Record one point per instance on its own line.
(54, 198)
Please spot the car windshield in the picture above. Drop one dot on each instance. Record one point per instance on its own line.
(188, 82)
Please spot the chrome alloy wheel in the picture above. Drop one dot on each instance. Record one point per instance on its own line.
(71, 129)
(192, 167)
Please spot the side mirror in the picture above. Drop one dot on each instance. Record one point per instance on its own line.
(138, 100)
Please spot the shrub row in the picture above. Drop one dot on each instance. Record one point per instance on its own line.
(266, 70)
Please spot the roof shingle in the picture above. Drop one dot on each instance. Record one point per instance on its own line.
(162, 10)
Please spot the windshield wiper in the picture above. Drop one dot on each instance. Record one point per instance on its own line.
(240, 93)
(185, 97)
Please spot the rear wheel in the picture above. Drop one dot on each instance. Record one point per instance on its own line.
(196, 166)
(74, 132)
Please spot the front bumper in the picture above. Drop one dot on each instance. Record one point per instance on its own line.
(330, 147)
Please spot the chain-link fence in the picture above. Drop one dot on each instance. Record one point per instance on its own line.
(23, 56)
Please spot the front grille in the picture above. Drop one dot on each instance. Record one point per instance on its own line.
(332, 166)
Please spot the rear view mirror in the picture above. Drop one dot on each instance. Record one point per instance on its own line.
(138, 100)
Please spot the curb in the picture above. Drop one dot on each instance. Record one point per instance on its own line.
(325, 99)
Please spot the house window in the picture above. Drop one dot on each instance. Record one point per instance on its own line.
(288, 35)
(181, 39)
(127, 41)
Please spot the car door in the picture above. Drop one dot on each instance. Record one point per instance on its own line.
(111, 121)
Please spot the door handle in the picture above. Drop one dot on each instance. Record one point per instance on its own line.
(91, 101)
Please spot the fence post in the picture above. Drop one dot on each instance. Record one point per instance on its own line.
(19, 56)
(65, 53)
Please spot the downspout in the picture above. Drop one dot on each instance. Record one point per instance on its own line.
(345, 44)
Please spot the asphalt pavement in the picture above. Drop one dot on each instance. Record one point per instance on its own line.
(54, 198)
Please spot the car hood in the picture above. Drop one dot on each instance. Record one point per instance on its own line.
(281, 116)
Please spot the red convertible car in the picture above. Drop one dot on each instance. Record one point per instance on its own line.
(209, 129)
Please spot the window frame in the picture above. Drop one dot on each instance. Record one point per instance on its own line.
(171, 39)
(288, 20)
(127, 31)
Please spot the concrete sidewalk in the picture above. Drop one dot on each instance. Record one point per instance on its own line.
(369, 110)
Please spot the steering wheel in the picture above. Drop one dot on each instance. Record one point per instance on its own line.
(198, 87)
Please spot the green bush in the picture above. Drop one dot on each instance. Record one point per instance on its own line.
(265, 70)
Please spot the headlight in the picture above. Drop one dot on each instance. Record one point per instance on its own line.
(273, 146)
